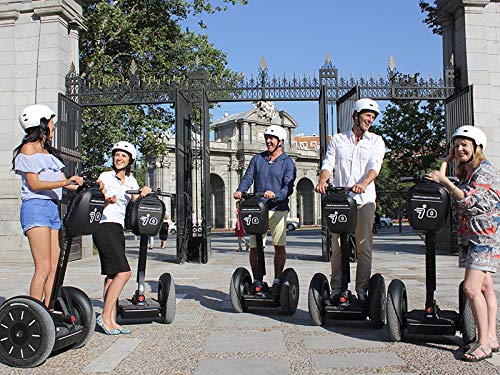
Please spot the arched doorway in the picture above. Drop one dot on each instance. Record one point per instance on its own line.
(305, 191)
(217, 189)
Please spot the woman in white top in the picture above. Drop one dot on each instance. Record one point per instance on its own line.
(41, 170)
(109, 237)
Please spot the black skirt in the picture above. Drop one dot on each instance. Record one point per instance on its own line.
(110, 242)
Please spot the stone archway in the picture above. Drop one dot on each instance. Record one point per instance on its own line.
(305, 191)
(217, 188)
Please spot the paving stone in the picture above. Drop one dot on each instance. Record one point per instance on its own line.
(245, 320)
(245, 342)
(338, 342)
(354, 360)
(108, 360)
(243, 366)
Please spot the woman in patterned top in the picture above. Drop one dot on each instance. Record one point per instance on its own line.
(478, 207)
(41, 170)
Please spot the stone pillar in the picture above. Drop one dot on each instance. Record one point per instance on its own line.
(35, 57)
(474, 39)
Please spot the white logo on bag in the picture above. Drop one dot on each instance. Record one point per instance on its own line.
(423, 211)
(95, 216)
(148, 220)
(336, 217)
(251, 220)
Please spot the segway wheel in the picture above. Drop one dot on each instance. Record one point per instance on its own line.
(83, 311)
(319, 290)
(240, 285)
(27, 332)
(289, 293)
(397, 309)
(166, 298)
(377, 301)
(467, 322)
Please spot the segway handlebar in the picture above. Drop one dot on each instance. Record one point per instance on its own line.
(331, 189)
(153, 192)
(421, 178)
(251, 195)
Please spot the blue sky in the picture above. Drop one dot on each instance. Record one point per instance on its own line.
(295, 36)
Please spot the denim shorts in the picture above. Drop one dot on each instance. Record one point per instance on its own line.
(40, 213)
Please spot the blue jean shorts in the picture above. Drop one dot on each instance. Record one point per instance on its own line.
(40, 213)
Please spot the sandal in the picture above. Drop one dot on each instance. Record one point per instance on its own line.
(475, 358)
(494, 346)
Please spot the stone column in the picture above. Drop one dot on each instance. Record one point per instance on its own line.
(34, 60)
(475, 42)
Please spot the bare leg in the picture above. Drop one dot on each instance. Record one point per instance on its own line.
(55, 252)
(111, 297)
(491, 303)
(39, 239)
(279, 261)
(473, 283)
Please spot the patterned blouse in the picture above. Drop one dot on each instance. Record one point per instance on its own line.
(479, 210)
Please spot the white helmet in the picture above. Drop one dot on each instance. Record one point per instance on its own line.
(32, 114)
(125, 146)
(366, 104)
(276, 131)
(471, 132)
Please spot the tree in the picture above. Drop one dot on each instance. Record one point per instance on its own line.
(414, 135)
(430, 11)
(148, 36)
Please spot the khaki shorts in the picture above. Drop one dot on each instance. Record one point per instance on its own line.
(277, 226)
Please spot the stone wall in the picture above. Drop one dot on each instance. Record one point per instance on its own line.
(38, 42)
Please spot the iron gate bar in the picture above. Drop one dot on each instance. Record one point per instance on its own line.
(134, 90)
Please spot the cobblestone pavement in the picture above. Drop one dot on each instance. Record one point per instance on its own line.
(207, 337)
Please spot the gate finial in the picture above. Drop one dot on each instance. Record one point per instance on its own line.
(263, 64)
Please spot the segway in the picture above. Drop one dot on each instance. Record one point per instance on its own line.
(144, 217)
(29, 331)
(340, 214)
(428, 204)
(254, 216)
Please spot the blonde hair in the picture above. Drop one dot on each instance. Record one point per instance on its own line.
(463, 169)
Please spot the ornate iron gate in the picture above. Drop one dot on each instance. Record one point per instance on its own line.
(198, 89)
(183, 163)
(68, 141)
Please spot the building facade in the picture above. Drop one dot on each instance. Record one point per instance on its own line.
(237, 138)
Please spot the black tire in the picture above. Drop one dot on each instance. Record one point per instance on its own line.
(383, 224)
(319, 290)
(290, 227)
(397, 310)
(377, 301)
(172, 231)
(27, 332)
(467, 323)
(240, 285)
(84, 313)
(289, 293)
(166, 298)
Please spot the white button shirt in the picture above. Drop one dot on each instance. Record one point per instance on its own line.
(352, 161)
(115, 212)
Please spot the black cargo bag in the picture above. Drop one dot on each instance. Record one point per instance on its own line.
(84, 212)
(428, 205)
(339, 213)
(254, 216)
(145, 216)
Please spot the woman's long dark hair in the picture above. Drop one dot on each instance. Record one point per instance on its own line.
(37, 134)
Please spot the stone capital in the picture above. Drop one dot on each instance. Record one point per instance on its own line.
(449, 8)
(69, 10)
(8, 18)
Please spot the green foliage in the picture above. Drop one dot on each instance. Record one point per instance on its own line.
(414, 135)
(147, 35)
(430, 11)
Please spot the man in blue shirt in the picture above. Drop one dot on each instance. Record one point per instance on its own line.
(273, 174)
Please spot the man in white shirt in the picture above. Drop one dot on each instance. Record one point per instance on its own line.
(356, 157)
